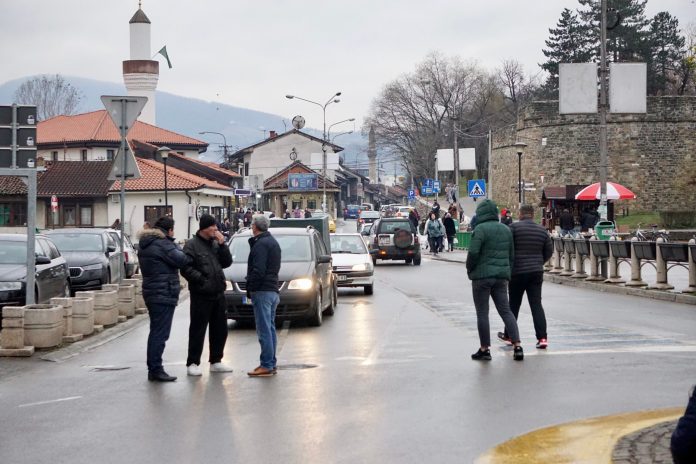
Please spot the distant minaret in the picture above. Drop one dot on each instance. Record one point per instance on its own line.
(141, 73)
(372, 156)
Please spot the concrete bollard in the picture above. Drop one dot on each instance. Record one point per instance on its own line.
(568, 259)
(83, 313)
(126, 299)
(692, 268)
(594, 266)
(636, 277)
(12, 334)
(140, 307)
(68, 335)
(579, 262)
(43, 325)
(614, 276)
(557, 268)
(106, 307)
(661, 282)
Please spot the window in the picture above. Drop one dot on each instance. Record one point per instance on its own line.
(69, 217)
(86, 215)
(153, 213)
(54, 156)
(41, 248)
(13, 214)
(53, 251)
(217, 212)
(84, 154)
(246, 169)
(110, 155)
(312, 204)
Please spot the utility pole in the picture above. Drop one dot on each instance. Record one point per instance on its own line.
(603, 111)
(455, 153)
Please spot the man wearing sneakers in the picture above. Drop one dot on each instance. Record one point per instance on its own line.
(489, 265)
(207, 285)
(533, 247)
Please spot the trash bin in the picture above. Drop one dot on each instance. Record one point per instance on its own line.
(604, 230)
(463, 240)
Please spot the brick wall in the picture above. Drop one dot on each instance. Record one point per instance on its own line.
(648, 153)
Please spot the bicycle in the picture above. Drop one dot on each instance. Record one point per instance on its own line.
(652, 235)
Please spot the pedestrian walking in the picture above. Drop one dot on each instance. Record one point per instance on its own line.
(683, 440)
(450, 230)
(453, 211)
(587, 220)
(489, 264)
(209, 256)
(160, 260)
(533, 247)
(247, 218)
(435, 231)
(263, 265)
(436, 209)
(567, 223)
(297, 213)
(413, 217)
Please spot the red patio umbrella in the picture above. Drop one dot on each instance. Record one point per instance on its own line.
(614, 192)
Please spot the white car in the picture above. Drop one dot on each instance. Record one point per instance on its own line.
(352, 263)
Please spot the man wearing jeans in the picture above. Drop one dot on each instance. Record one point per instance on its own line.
(533, 248)
(488, 265)
(262, 288)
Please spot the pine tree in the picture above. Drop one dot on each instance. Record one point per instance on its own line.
(665, 53)
(568, 43)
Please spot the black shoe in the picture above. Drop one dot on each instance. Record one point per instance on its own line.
(504, 338)
(160, 377)
(518, 354)
(482, 355)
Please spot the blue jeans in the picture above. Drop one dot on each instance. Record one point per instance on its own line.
(161, 316)
(265, 304)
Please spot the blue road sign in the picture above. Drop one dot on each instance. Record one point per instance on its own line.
(411, 194)
(423, 190)
(428, 183)
(436, 186)
(477, 188)
(428, 190)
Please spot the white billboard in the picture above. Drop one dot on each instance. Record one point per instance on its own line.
(316, 161)
(577, 88)
(467, 159)
(628, 87)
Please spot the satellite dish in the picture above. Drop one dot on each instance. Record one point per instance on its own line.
(298, 122)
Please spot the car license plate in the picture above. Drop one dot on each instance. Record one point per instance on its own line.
(342, 277)
(385, 241)
(246, 300)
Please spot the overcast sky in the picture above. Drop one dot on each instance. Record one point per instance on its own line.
(252, 53)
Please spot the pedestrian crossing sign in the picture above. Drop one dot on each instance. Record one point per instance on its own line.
(477, 188)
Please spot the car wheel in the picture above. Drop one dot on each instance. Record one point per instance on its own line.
(417, 261)
(317, 318)
(334, 301)
(369, 289)
(66, 289)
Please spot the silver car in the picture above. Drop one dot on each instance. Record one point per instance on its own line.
(352, 263)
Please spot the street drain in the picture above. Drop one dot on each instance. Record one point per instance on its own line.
(288, 367)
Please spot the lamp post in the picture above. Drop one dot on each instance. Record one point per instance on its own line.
(224, 147)
(164, 154)
(519, 147)
(334, 99)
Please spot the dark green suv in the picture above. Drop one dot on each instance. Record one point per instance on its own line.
(394, 238)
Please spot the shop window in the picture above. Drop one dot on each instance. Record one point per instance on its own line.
(69, 216)
(13, 214)
(86, 216)
(312, 204)
(153, 213)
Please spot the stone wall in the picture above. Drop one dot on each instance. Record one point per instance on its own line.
(648, 153)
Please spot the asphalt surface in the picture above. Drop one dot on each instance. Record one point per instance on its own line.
(388, 378)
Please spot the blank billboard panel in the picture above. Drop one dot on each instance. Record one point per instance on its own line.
(317, 161)
(577, 88)
(628, 83)
(467, 159)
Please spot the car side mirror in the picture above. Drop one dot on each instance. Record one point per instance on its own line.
(110, 249)
(43, 260)
(324, 259)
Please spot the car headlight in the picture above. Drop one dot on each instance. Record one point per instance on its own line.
(229, 286)
(360, 267)
(92, 267)
(10, 286)
(301, 284)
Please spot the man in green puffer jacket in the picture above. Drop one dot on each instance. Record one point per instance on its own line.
(489, 265)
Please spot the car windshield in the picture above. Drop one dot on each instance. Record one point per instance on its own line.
(389, 227)
(293, 248)
(352, 207)
(348, 244)
(78, 242)
(12, 252)
(369, 214)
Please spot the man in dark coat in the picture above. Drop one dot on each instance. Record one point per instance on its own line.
(533, 247)
(450, 230)
(160, 260)
(489, 264)
(209, 256)
(567, 223)
(263, 266)
(307, 213)
(683, 442)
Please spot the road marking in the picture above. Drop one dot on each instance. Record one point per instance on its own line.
(379, 347)
(631, 349)
(41, 403)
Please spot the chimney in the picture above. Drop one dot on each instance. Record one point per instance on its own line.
(272, 134)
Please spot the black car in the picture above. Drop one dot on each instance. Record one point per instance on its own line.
(52, 277)
(306, 281)
(394, 238)
(92, 255)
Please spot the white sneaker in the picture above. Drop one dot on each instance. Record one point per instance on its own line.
(219, 367)
(194, 370)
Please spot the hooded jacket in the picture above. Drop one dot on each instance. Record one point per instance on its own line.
(160, 260)
(205, 273)
(491, 252)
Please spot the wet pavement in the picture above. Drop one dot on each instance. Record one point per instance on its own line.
(388, 378)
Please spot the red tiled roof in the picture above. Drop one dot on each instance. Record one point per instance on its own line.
(279, 181)
(98, 126)
(11, 185)
(75, 179)
(207, 164)
(153, 179)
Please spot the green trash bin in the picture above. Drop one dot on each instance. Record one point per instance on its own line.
(604, 230)
(463, 240)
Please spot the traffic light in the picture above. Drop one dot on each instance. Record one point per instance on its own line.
(18, 128)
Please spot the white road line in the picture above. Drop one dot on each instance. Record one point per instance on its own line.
(40, 403)
(635, 349)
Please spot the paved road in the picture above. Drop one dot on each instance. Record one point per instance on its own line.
(393, 382)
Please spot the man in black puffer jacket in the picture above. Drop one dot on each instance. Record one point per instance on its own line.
(533, 247)
(160, 260)
(209, 256)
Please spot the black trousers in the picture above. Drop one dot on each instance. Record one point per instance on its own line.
(530, 283)
(207, 311)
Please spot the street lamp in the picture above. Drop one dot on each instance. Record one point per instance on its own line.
(339, 134)
(334, 99)
(519, 147)
(224, 147)
(164, 153)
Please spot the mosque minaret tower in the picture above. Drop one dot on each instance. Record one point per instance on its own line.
(141, 72)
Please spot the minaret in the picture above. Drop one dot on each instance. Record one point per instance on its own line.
(141, 73)
(372, 156)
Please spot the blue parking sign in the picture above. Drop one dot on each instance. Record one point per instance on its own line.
(436, 186)
(411, 194)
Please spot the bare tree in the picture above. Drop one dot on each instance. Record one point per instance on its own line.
(52, 96)
(518, 87)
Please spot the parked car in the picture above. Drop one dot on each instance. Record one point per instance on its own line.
(352, 263)
(332, 223)
(365, 231)
(306, 281)
(367, 206)
(394, 238)
(52, 275)
(402, 211)
(92, 255)
(352, 212)
(367, 217)
(130, 257)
